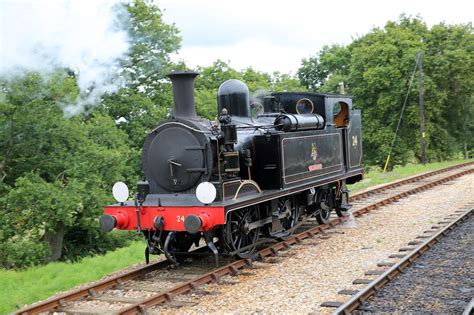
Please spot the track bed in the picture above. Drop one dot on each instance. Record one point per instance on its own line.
(157, 288)
(440, 281)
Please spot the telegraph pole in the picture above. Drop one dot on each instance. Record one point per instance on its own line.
(422, 110)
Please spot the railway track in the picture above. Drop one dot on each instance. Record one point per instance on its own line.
(356, 304)
(157, 284)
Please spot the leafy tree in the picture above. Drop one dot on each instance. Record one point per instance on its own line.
(449, 60)
(331, 61)
(281, 82)
(376, 69)
(380, 69)
(147, 98)
(152, 41)
(255, 80)
(259, 83)
(212, 77)
(57, 172)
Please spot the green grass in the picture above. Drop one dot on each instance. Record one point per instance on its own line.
(38, 283)
(377, 177)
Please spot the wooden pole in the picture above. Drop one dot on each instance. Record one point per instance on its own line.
(422, 110)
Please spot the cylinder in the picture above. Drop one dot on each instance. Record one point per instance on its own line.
(289, 122)
(183, 93)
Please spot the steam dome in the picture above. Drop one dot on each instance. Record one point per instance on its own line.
(234, 96)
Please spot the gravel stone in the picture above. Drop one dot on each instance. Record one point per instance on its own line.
(440, 281)
(314, 274)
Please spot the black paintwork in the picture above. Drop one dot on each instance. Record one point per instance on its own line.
(292, 122)
(233, 95)
(185, 151)
(183, 93)
(354, 142)
(178, 155)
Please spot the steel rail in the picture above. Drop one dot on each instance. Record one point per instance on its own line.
(58, 302)
(357, 300)
(404, 181)
(233, 268)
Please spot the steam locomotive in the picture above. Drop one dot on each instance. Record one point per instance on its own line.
(259, 171)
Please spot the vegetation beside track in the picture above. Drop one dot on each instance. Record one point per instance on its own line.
(27, 286)
(21, 287)
(376, 176)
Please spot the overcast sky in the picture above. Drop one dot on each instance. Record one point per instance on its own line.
(276, 35)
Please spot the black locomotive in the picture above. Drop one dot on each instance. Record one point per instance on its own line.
(260, 170)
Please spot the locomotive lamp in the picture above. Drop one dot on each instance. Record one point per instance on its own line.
(206, 192)
(120, 192)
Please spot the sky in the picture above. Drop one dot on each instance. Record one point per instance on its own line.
(276, 35)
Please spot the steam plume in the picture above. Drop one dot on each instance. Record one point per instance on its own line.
(84, 36)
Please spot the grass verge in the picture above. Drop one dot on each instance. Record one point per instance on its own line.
(21, 287)
(18, 288)
(377, 177)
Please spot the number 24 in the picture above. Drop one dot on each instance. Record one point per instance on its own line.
(180, 218)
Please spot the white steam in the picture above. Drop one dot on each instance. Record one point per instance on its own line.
(84, 36)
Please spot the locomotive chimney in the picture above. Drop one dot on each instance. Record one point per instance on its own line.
(183, 93)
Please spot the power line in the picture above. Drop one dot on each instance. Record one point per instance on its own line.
(401, 115)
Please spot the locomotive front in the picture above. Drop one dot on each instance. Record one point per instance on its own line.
(190, 164)
(258, 170)
(177, 154)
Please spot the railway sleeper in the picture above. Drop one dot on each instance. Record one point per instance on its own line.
(82, 311)
(374, 272)
(348, 292)
(333, 304)
(115, 299)
(178, 303)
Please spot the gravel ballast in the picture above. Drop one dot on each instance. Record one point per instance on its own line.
(316, 272)
(440, 281)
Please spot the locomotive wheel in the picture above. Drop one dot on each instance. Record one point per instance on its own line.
(236, 234)
(292, 214)
(324, 204)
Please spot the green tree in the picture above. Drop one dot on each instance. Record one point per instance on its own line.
(330, 64)
(211, 77)
(379, 72)
(259, 83)
(449, 60)
(57, 172)
(147, 99)
(376, 69)
(152, 42)
(281, 82)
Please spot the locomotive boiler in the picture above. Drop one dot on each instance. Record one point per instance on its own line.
(259, 170)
